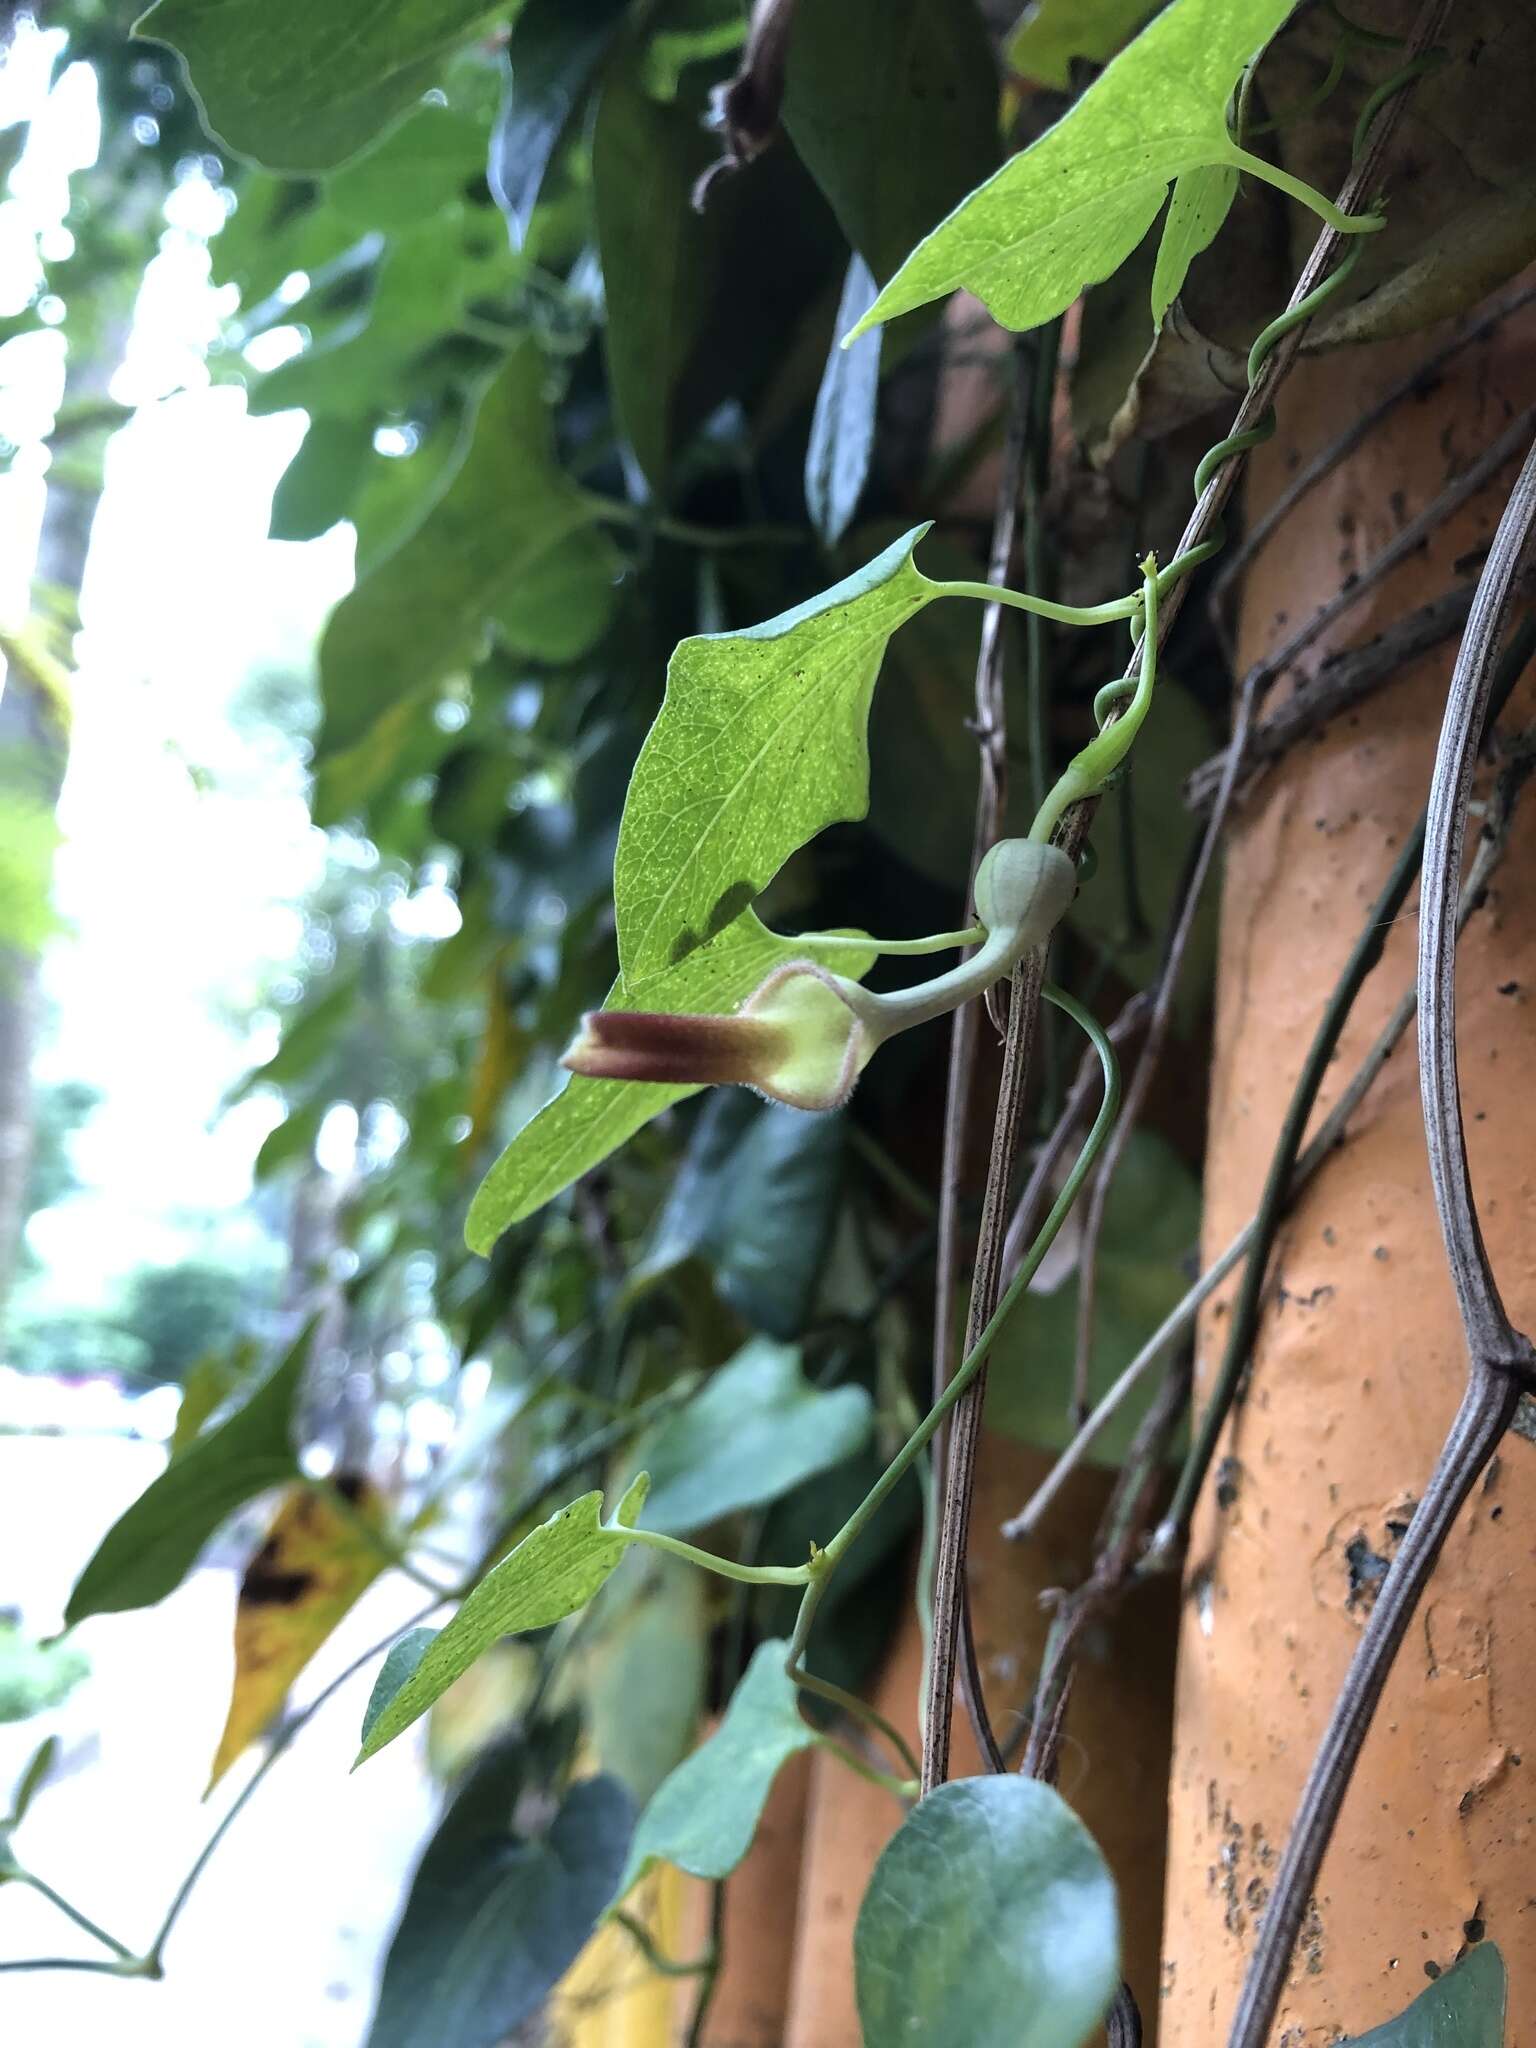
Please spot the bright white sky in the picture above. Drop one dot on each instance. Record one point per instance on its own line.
(187, 848)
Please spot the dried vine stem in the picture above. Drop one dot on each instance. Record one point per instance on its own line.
(1201, 529)
(1346, 679)
(1500, 1358)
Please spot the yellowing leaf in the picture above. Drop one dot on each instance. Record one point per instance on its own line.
(315, 1564)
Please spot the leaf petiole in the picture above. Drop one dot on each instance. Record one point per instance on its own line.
(723, 1567)
(1308, 195)
(1044, 607)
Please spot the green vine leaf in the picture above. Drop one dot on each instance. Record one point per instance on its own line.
(1463, 2009)
(494, 536)
(933, 1959)
(495, 1918)
(1068, 210)
(1051, 33)
(150, 1548)
(590, 1119)
(296, 87)
(1201, 201)
(752, 1434)
(704, 1816)
(761, 740)
(554, 1570)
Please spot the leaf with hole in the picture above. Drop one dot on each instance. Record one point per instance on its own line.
(754, 1431)
(495, 1917)
(1050, 33)
(554, 1570)
(990, 1922)
(761, 740)
(704, 1816)
(1069, 209)
(590, 1119)
(296, 87)
(1465, 2008)
(151, 1547)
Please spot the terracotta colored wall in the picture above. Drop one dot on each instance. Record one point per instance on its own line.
(1360, 1362)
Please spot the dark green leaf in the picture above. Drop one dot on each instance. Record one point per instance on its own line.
(495, 532)
(428, 162)
(1201, 201)
(564, 610)
(1052, 32)
(552, 1572)
(590, 1119)
(1462, 2009)
(643, 1669)
(753, 1197)
(33, 1778)
(704, 1817)
(656, 251)
(756, 1430)
(554, 51)
(1151, 1228)
(1069, 209)
(843, 424)
(760, 742)
(318, 486)
(149, 1550)
(494, 1920)
(299, 87)
(990, 1922)
(892, 104)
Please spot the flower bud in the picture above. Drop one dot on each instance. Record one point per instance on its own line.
(1024, 887)
(797, 1038)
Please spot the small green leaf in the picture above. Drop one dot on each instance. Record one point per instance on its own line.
(892, 106)
(397, 1667)
(1069, 209)
(33, 1778)
(590, 1119)
(843, 424)
(761, 740)
(553, 52)
(704, 1816)
(563, 611)
(935, 1959)
(552, 1572)
(1463, 2009)
(495, 533)
(296, 87)
(494, 1920)
(1151, 1225)
(149, 1550)
(756, 1430)
(1051, 33)
(1201, 201)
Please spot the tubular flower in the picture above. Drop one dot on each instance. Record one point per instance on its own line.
(805, 1035)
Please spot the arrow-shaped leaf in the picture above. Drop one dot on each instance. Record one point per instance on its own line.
(761, 740)
(1068, 210)
(553, 1571)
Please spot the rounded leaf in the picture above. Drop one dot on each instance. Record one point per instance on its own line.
(990, 1922)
